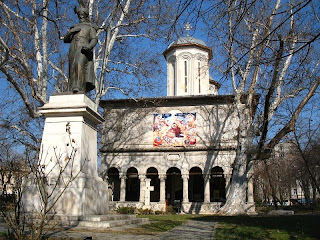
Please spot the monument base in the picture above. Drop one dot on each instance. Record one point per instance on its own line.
(83, 196)
(68, 161)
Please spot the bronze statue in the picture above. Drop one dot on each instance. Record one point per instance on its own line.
(82, 38)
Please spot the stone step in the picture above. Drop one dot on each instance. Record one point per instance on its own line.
(98, 221)
(113, 223)
(95, 218)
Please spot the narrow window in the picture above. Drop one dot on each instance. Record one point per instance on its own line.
(199, 77)
(174, 79)
(185, 76)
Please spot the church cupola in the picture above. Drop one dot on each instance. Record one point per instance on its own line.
(188, 68)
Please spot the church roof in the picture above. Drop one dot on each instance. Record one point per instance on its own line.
(188, 40)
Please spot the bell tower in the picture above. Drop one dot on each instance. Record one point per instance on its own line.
(188, 68)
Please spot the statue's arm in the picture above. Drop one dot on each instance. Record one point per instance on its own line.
(68, 37)
(92, 43)
(94, 39)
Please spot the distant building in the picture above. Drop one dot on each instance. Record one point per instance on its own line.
(184, 143)
(11, 174)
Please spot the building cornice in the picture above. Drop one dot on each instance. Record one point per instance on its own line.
(172, 101)
(167, 149)
(188, 45)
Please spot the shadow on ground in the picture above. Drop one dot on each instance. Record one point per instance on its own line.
(267, 227)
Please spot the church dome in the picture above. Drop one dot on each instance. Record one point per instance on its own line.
(188, 40)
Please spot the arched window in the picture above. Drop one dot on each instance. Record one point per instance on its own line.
(199, 75)
(186, 76)
(174, 75)
(217, 185)
(152, 173)
(196, 185)
(114, 182)
(132, 185)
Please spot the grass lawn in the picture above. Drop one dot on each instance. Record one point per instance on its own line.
(269, 227)
(163, 223)
(246, 227)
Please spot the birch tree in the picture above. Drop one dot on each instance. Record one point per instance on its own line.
(266, 49)
(33, 60)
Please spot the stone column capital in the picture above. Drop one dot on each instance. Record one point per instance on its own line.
(123, 176)
(162, 177)
(142, 177)
(185, 177)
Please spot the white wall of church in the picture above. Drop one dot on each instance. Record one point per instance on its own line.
(133, 128)
(127, 140)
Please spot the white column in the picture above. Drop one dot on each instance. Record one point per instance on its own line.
(142, 187)
(207, 189)
(123, 188)
(162, 188)
(227, 177)
(250, 190)
(185, 179)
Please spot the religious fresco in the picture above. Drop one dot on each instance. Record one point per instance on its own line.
(174, 130)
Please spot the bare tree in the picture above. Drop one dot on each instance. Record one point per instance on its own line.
(306, 138)
(33, 57)
(46, 185)
(269, 49)
(276, 176)
(10, 164)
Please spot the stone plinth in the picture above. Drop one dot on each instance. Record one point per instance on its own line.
(281, 212)
(68, 150)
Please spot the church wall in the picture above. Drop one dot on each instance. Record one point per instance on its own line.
(132, 128)
(127, 139)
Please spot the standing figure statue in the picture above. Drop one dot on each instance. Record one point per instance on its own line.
(82, 38)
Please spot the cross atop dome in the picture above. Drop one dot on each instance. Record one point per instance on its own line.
(188, 28)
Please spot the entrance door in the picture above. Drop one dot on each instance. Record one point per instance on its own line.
(174, 192)
(132, 185)
(196, 185)
(217, 185)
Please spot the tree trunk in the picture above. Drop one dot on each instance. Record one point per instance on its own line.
(236, 199)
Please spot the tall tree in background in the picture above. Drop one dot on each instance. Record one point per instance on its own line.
(306, 139)
(266, 48)
(33, 60)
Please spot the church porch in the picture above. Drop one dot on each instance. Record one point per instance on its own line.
(193, 192)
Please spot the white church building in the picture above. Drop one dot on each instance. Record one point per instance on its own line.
(176, 150)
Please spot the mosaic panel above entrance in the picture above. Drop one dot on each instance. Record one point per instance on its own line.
(174, 130)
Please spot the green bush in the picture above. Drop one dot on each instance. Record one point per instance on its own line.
(170, 210)
(158, 213)
(145, 211)
(126, 210)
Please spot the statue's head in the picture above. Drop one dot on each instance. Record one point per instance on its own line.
(81, 10)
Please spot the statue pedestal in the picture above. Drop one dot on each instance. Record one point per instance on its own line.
(69, 154)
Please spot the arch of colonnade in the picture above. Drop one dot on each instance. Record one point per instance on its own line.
(172, 187)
